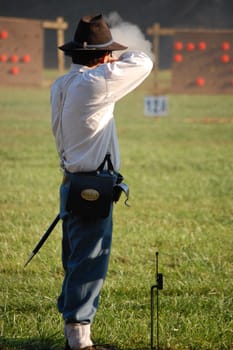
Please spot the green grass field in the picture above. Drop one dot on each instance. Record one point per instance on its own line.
(180, 172)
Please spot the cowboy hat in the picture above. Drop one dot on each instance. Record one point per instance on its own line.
(92, 33)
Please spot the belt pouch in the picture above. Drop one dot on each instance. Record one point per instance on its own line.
(90, 194)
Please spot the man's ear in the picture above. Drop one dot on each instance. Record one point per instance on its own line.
(105, 58)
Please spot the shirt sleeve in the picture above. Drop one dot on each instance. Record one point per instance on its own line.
(124, 75)
(55, 101)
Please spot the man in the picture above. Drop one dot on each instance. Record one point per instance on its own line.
(84, 128)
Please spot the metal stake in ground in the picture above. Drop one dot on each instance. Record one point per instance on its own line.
(158, 286)
(43, 239)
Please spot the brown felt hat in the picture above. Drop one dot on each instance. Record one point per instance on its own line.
(92, 33)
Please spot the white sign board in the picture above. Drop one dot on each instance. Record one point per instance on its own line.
(156, 106)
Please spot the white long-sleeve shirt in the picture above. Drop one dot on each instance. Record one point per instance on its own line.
(84, 127)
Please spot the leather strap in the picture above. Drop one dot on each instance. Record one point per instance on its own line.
(107, 159)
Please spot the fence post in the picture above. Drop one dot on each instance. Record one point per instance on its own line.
(60, 26)
(155, 32)
(60, 41)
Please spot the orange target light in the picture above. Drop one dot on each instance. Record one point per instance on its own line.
(178, 58)
(202, 45)
(3, 58)
(14, 58)
(14, 70)
(225, 59)
(4, 34)
(200, 81)
(190, 46)
(225, 46)
(178, 45)
(26, 58)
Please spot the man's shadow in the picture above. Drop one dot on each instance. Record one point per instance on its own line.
(31, 344)
(46, 344)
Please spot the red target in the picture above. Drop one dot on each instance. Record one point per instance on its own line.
(190, 46)
(14, 70)
(178, 58)
(3, 58)
(225, 58)
(200, 81)
(14, 58)
(178, 45)
(4, 34)
(26, 58)
(202, 45)
(225, 46)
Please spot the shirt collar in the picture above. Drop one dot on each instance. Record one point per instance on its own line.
(78, 68)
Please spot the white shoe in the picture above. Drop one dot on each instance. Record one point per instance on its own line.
(78, 335)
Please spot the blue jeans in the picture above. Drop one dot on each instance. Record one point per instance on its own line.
(86, 248)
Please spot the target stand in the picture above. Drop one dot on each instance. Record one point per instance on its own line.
(21, 51)
(155, 288)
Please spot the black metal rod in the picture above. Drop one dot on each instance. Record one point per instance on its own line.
(43, 239)
(158, 285)
(151, 317)
(157, 298)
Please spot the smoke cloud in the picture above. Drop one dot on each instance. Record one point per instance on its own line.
(129, 34)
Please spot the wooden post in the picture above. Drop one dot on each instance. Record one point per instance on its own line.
(60, 41)
(60, 26)
(155, 31)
